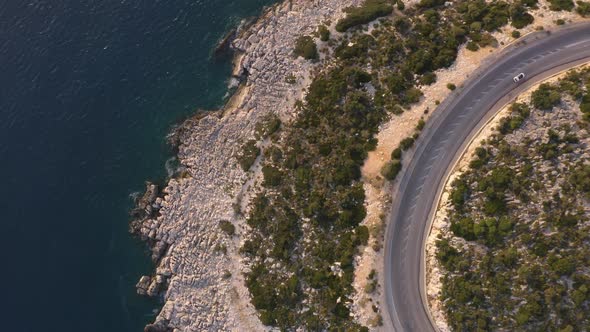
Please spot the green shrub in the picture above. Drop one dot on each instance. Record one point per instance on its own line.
(268, 126)
(583, 8)
(400, 5)
(430, 3)
(407, 143)
(519, 16)
(396, 154)
(515, 34)
(272, 176)
(420, 125)
(472, 46)
(483, 157)
(559, 21)
(391, 169)
(428, 78)
(580, 178)
(227, 227)
(324, 33)
(362, 234)
(463, 227)
(412, 96)
(488, 40)
(530, 3)
(248, 155)
(357, 50)
(305, 47)
(558, 5)
(447, 254)
(460, 193)
(367, 12)
(291, 79)
(545, 97)
(451, 86)
(585, 106)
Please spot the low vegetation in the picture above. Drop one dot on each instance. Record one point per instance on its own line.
(306, 48)
(248, 155)
(369, 11)
(227, 227)
(583, 8)
(517, 255)
(304, 225)
(558, 5)
(324, 33)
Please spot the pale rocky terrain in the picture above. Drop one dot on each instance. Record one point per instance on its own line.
(200, 292)
(441, 225)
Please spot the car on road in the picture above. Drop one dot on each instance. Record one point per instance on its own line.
(518, 77)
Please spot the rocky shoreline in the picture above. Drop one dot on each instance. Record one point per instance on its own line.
(198, 270)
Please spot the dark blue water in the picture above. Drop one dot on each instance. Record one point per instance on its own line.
(88, 91)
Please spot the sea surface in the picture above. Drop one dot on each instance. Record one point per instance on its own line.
(88, 91)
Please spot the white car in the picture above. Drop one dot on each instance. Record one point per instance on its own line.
(518, 77)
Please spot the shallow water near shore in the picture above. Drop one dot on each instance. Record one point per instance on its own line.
(88, 92)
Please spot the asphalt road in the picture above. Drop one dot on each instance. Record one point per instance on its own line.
(440, 144)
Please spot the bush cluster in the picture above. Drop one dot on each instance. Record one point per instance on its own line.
(324, 33)
(545, 97)
(306, 48)
(521, 246)
(248, 155)
(367, 12)
(558, 5)
(311, 168)
(583, 8)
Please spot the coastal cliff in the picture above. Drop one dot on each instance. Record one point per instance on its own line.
(199, 272)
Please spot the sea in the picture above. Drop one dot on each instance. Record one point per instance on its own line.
(89, 89)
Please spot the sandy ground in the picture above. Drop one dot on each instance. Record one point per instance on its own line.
(401, 126)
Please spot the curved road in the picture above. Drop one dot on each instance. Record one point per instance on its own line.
(441, 143)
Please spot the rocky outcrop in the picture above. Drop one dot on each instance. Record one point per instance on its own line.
(145, 206)
(161, 326)
(194, 258)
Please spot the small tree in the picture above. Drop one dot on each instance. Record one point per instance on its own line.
(227, 227)
(391, 170)
(324, 33)
(306, 48)
(248, 155)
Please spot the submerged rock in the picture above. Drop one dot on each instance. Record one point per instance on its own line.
(143, 284)
(145, 206)
(160, 326)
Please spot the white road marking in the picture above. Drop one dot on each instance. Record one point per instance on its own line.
(419, 189)
(576, 44)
